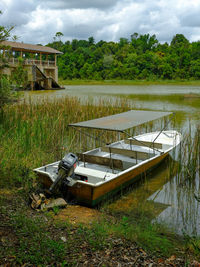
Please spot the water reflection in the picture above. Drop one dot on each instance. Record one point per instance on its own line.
(183, 212)
(143, 193)
(165, 199)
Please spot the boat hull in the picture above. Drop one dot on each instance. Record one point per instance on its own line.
(92, 196)
(105, 176)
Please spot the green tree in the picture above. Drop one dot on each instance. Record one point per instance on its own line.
(6, 93)
(195, 69)
(145, 42)
(19, 76)
(107, 61)
(58, 36)
(179, 40)
(141, 58)
(91, 40)
(123, 42)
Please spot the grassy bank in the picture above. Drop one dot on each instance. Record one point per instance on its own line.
(130, 82)
(39, 240)
(36, 134)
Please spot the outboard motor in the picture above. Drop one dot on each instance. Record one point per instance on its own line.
(66, 169)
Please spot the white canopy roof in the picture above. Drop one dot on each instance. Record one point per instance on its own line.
(123, 121)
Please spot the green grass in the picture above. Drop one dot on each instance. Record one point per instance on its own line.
(154, 238)
(35, 244)
(95, 235)
(129, 82)
(136, 226)
(192, 244)
(28, 239)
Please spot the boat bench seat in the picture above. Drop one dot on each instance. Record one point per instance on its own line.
(112, 163)
(127, 152)
(134, 142)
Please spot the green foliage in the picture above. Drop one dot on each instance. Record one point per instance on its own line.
(4, 32)
(136, 226)
(19, 76)
(192, 244)
(6, 93)
(142, 57)
(5, 90)
(35, 245)
(95, 236)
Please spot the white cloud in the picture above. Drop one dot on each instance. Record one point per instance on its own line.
(78, 4)
(37, 21)
(16, 12)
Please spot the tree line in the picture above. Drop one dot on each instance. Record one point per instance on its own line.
(142, 57)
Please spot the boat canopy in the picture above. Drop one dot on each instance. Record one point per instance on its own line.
(122, 121)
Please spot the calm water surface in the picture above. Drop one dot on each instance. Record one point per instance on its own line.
(172, 202)
(85, 92)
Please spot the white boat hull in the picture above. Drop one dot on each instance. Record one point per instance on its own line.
(108, 169)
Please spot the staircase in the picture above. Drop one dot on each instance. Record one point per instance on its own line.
(41, 82)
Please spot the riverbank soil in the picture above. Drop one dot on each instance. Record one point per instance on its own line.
(73, 236)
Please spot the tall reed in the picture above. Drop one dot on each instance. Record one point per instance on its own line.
(183, 191)
(189, 157)
(35, 134)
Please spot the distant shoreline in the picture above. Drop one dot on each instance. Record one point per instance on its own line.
(129, 82)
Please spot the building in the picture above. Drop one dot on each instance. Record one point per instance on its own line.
(39, 62)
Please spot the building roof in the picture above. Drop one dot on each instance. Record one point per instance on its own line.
(16, 46)
(123, 121)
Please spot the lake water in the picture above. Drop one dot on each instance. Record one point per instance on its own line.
(84, 92)
(172, 202)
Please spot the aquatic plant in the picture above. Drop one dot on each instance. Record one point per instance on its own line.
(189, 156)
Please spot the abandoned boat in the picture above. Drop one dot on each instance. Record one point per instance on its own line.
(92, 176)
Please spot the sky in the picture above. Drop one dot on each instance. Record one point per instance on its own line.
(38, 21)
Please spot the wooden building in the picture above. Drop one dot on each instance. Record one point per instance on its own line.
(39, 62)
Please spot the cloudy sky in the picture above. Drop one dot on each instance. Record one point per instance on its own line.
(37, 21)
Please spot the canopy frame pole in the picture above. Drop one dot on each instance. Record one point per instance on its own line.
(164, 127)
(119, 136)
(89, 135)
(83, 159)
(111, 161)
(130, 144)
(80, 138)
(141, 141)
